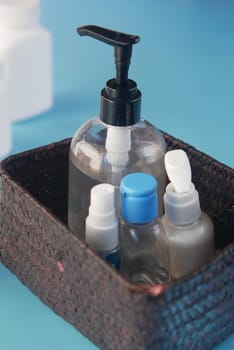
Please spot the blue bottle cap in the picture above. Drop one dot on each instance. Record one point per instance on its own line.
(139, 200)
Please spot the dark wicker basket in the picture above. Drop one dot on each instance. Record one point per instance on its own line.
(196, 312)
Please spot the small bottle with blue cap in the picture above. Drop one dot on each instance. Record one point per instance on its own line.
(143, 251)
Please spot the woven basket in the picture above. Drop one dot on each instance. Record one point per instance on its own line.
(196, 312)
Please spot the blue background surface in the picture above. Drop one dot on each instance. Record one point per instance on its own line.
(184, 66)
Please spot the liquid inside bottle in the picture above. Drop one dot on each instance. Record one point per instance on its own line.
(189, 246)
(143, 254)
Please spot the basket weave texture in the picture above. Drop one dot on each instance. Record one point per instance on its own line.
(196, 312)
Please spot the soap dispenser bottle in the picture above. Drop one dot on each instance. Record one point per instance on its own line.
(189, 232)
(105, 149)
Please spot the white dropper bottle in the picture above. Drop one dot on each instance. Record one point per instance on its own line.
(102, 231)
(189, 231)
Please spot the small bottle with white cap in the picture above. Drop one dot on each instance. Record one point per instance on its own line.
(101, 226)
(27, 50)
(142, 246)
(189, 232)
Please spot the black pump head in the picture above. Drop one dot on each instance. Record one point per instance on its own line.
(120, 99)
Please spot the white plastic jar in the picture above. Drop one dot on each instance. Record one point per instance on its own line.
(5, 127)
(27, 48)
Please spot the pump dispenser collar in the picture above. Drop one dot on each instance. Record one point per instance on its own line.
(120, 99)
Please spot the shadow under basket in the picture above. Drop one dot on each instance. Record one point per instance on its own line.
(195, 312)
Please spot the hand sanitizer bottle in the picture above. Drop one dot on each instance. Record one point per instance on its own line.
(142, 246)
(27, 49)
(189, 232)
(118, 142)
(102, 228)
(5, 127)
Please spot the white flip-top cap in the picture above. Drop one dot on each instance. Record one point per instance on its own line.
(181, 199)
(102, 223)
(15, 14)
(178, 170)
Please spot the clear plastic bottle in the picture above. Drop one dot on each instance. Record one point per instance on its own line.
(118, 142)
(189, 232)
(142, 244)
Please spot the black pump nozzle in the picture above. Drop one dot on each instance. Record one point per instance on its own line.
(123, 47)
(120, 100)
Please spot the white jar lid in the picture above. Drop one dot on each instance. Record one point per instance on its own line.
(16, 14)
